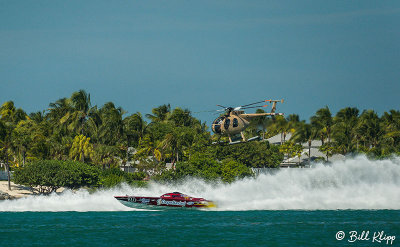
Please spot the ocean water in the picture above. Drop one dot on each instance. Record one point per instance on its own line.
(356, 201)
(195, 228)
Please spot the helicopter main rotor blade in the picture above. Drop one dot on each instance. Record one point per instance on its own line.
(249, 107)
(222, 106)
(254, 103)
(258, 106)
(206, 111)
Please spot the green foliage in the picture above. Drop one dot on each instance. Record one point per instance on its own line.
(205, 167)
(369, 129)
(3, 130)
(252, 154)
(10, 114)
(111, 180)
(160, 113)
(105, 156)
(182, 118)
(111, 129)
(81, 148)
(319, 159)
(327, 149)
(322, 122)
(291, 149)
(174, 135)
(46, 176)
(231, 170)
(158, 130)
(225, 162)
(200, 165)
(344, 130)
(114, 176)
(134, 128)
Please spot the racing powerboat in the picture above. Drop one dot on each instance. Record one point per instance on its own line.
(174, 199)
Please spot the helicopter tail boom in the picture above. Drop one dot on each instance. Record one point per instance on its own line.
(261, 114)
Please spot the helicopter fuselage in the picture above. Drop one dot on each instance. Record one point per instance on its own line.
(231, 124)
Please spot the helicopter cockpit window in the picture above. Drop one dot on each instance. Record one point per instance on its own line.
(217, 125)
(218, 120)
(226, 124)
(217, 128)
(235, 122)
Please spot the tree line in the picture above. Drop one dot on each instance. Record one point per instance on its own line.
(348, 132)
(73, 129)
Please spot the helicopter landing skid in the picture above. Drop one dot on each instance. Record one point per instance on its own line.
(256, 138)
(219, 143)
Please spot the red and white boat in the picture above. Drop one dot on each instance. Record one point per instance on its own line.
(174, 199)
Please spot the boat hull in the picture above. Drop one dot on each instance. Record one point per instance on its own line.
(144, 202)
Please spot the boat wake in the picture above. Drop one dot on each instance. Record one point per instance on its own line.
(356, 183)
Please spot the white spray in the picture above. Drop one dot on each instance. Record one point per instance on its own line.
(356, 183)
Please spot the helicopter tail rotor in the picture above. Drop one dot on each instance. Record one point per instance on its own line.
(273, 109)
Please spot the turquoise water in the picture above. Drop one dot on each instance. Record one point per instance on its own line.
(287, 207)
(194, 228)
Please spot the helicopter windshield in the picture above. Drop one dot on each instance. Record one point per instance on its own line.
(218, 120)
(216, 127)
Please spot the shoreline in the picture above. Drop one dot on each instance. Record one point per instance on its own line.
(17, 191)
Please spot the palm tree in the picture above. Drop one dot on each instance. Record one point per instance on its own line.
(81, 148)
(60, 146)
(148, 147)
(304, 133)
(178, 143)
(5, 147)
(39, 146)
(322, 122)
(283, 126)
(160, 113)
(170, 145)
(76, 117)
(344, 132)
(111, 128)
(56, 112)
(7, 111)
(21, 137)
(258, 124)
(59, 109)
(391, 124)
(134, 128)
(293, 122)
(3, 130)
(10, 117)
(105, 155)
(10, 114)
(94, 123)
(369, 129)
(293, 119)
(181, 117)
(37, 117)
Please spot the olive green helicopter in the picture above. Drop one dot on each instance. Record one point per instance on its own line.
(235, 121)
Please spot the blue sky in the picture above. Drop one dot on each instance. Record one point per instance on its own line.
(196, 54)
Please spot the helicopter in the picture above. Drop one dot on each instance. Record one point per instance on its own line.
(235, 121)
